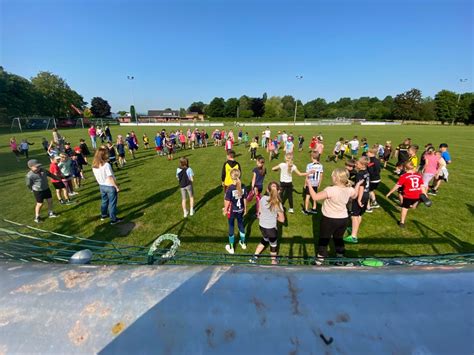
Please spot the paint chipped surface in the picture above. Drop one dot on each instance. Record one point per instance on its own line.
(78, 334)
(97, 309)
(39, 288)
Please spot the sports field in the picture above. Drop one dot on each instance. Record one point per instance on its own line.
(150, 203)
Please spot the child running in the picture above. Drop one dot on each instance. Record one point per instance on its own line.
(14, 148)
(185, 176)
(359, 204)
(121, 151)
(229, 165)
(132, 146)
(235, 207)
(413, 191)
(270, 212)
(314, 179)
(286, 179)
(387, 153)
(258, 176)
(146, 141)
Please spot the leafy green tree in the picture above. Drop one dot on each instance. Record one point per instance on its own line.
(17, 96)
(182, 112)
(216, 107)
(406, 106)
(100, 107)
(274, 107)
(231, 106)
(257, 105)
(315, 108)
(445, 105)
(427, 109)
(197, 107)
(244, 103)
(88, 114)
(120, 113)
(288, 103)
(470, 119)
(54, 96)
(464, 107)
(246, 113)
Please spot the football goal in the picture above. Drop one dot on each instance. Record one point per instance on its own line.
(21, 123)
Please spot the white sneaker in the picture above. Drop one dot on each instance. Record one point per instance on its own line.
(242, 245)
(290, 210)
(185, 214)
(229, 248)
(52, 215)
(191, 213)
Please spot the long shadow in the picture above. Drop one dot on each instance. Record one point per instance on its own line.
(470, 207)
(209, 195)
(385, 203)
(300, 242)
(136, 209)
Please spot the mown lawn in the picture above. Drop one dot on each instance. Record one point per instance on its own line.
(150, 197)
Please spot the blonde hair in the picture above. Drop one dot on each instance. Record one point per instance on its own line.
(289, 162)
(101, 157)
(341, 177)
(274, 200)
(235, 176)
(364, 161)
(409, 166)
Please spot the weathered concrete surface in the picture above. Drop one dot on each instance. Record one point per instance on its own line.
(235, 310)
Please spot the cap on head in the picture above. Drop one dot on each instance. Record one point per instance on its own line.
(33, 163)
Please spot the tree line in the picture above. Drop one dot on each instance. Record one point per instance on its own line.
(47, 94)
(446, 106)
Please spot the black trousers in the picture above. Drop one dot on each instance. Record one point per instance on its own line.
(287, 193)
(335, 228)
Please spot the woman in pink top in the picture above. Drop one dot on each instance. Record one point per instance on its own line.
(334, 210)
(93, 135)
(431, 166)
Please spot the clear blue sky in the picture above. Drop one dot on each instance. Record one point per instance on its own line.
(184, 51)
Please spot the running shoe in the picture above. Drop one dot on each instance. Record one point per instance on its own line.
(191, 213)
(351, 239)
(306, 213)
(243, 245)
(229, 248)
(314, 211)
(253, 259)
(401, 225)
(37, 220)
(369, 210)
(118, 220)
(103, 218)
(185, 214)
(375, 205)
(290, 210)
(52, 215)
(433, 192)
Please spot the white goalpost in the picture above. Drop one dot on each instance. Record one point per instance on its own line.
(45, 123)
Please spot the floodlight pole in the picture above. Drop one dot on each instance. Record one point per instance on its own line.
(298, 77)
(131, 78)
(461, 81)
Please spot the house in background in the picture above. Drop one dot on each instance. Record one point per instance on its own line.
(194, 116)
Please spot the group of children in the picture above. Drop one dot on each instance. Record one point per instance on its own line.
(418, 177)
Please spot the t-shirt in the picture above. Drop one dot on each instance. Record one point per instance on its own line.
(183, 182)
(431, 163)
(337, 147)
(254, 145)
(363, 175)
(237, 202)
(403, 152)
(414, 160)
(267, 133)
(412, 183)
(284, 137)
(268, 218)
(289, 146)
(335, 206)
(285, 176)
(258, 177)
(354, 144)
(446, 156)
(315, 178)
(66, 167)
(54, 169)
(102, 173)
(158, 141)
(92, 132)
(374, 169)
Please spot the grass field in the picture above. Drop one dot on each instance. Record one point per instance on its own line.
(150, 197)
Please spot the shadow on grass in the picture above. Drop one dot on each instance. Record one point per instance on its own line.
(209, 195)
(470, 208)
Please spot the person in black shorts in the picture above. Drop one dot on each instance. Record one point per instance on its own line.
(37, 182)
(373, 168)
(359, 204)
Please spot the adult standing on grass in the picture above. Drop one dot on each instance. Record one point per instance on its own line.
(93, 135)
(334, 221)
(37, 182)
(107, 184)
(185, 176)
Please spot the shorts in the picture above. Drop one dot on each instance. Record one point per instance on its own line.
(354, 152)
(40, 196)
(306, 189)
(373, 186)
(122, 155)
(358, 211)
(408, 202)
(158, 149)
(59, 185)
(259, 188)
(427, 177)
(269, 235)
(188, 189)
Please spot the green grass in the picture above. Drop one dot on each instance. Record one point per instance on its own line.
(150, 198)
